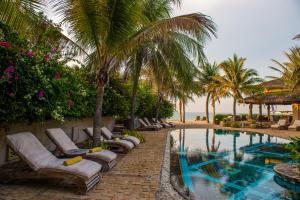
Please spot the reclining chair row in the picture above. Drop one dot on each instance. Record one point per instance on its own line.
(84, 173)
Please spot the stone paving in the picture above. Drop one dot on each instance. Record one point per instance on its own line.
(136, 176)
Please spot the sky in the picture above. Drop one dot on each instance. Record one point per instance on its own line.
(259, 30)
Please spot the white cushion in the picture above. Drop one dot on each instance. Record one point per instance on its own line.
(105, 155)
(61, 139)
(30, 149)
(106, 133)
(133, 139)
(123, 143)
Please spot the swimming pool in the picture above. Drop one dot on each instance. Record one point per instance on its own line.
(219, 164)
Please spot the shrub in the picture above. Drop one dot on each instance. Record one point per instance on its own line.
(136, 134)
(294, 146)
(235, 125)
(220, 117)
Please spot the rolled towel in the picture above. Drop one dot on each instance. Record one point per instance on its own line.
(96, 149)
(72, 161)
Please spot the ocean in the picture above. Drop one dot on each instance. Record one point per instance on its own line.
(190, 115)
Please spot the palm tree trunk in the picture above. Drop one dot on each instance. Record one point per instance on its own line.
(183, 112)
(234, 108)
(207, 106)
(135, 83)
(98, 115)
(214, 111)
(180, 110)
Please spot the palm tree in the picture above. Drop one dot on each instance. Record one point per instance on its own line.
(206, 77)
(290, 70)
(237, 79)
(173, 51)
(19, 14)
(297, 37)
(112, 30)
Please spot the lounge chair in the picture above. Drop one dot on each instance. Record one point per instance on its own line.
(165, 125)
(44, 165)
(108, 135)
(281, 124)
(152, 124)
(105, 157)
(116, 145)
(164, 121)
(295, 126)
(146, 127)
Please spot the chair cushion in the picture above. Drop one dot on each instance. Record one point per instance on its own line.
(85, 168)
(30, 149)
(133, 139)
(105, 155)
(106, 133)
(123, 143)
(61, 139)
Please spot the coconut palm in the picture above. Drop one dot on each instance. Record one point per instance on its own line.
(112, 30)
(173, 52)
(237, 80)
(297, 37)
(290, 70)
(19, 13)
(206, 78)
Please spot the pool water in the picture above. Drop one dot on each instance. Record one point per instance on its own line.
(218, 164)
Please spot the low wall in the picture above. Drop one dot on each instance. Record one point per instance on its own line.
(72, 127)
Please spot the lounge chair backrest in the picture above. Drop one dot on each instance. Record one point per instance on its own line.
(142, 122)
(61, 139)
(30, 150)
(147, 121)
(89, 131)
(296, 123)
(106, 133)
(154, 120)
(282, 122)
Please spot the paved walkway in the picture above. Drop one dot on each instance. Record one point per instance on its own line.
(136, 176)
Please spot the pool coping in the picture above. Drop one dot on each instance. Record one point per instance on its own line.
(166, 188)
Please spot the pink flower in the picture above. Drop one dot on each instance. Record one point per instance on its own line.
(53, 50)
(41, 93)
(8, 75)
(5, 44)
(16, 77)
(46, 57)
(57, 76)
(10, 69)
(30, 53)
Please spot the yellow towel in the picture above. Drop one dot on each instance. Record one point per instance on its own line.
(96, 149)
(126, 135)
(116, 139)
(72, 161)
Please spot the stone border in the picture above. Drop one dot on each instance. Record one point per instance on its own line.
(166, 190)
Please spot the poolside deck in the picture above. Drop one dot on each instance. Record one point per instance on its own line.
(136, 175)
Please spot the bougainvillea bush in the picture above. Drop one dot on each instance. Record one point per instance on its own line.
(37, 84)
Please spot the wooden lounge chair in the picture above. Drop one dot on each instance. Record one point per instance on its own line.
(44, 165)
(105, 157)
(146, 127)
(165, 125)
(116, 145)
(164, 121)
(108, 135)
(152, 124)
(281, 124)
(295, 126)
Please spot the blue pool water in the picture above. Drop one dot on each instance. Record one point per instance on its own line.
(218, 164)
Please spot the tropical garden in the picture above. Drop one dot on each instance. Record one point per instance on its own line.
(115, 58)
